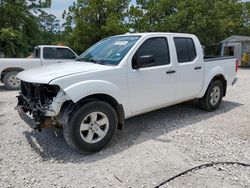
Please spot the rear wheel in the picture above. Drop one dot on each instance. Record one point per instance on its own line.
(11, 82)
(91, 127)
(213, 96)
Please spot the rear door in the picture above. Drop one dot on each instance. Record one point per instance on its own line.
(189, 68)
(153, 86)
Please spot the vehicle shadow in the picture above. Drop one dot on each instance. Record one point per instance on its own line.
(138, 129)
(3, 89)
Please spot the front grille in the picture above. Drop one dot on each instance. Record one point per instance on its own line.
(39, 92)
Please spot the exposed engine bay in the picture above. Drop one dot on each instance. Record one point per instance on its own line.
(42, 102)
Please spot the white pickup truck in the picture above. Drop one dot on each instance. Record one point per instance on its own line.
(42, 55)
(120, 77)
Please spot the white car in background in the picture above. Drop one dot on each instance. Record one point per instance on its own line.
(42, 55)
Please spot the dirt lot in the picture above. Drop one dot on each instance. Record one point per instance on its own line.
(153, 147)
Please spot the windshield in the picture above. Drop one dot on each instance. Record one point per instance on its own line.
(109, 51)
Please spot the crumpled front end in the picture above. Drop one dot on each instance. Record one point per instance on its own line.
(39, 104)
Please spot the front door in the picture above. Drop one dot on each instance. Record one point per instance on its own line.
(153, 86)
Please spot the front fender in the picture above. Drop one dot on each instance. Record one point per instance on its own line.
(83, 89)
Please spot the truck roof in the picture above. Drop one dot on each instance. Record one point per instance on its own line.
(156, 33)
(52, 46)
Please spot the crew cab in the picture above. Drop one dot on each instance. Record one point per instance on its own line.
(42, 55)
(120, 77)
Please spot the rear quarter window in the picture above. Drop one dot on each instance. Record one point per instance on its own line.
(64, 53)
(49, 53)
(185, 49)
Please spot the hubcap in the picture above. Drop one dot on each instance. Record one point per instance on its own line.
(14, 81)
(215, 95)
(94, 127)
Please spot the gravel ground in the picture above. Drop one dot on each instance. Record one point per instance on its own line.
(153, 148)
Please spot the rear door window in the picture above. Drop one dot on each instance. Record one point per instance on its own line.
(185, 49)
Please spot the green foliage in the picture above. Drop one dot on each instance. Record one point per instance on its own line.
(49, 28)
(89, 21)
(153, 15)
(23, 25)
(11, 42)
(212, 21)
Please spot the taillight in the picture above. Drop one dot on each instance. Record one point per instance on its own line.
(236, 65)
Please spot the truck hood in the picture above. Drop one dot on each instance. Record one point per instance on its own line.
(46, 74)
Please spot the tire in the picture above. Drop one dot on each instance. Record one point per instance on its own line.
(84, 119)
(213, 96)
(11, 82)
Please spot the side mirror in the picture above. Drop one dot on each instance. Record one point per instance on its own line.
(143, 61)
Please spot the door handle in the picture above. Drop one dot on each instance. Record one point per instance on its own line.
(58, 61)
(197, 68)
(170, 72)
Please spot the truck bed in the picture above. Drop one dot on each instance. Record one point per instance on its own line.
(217, 58)
(225, 64)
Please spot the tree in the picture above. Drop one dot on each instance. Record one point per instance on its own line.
(11, 42)
(24, 23)
(89, 21)
(212, 21)
(152, 15)
(49, 22)
(49, 28)
(19, 26)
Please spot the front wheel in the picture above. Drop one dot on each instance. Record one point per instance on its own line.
(212, 97)
(91, 127)
(11, 82)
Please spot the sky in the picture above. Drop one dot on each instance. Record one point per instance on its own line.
(58, 6)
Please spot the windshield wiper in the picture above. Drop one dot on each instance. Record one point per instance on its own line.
(91, 60)
(97, 61)
(81, 59)
(78, 59)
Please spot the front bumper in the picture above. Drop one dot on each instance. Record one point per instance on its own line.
(39, 104)
(27, 119)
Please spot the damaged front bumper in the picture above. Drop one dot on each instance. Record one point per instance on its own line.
(33, 124)
(40, 105)
(27, 119)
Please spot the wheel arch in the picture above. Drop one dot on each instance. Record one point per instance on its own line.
(10, 69)
(218, 76)
(223, 80)
(70, 105)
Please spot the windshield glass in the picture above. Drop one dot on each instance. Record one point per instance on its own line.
(109, 51)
